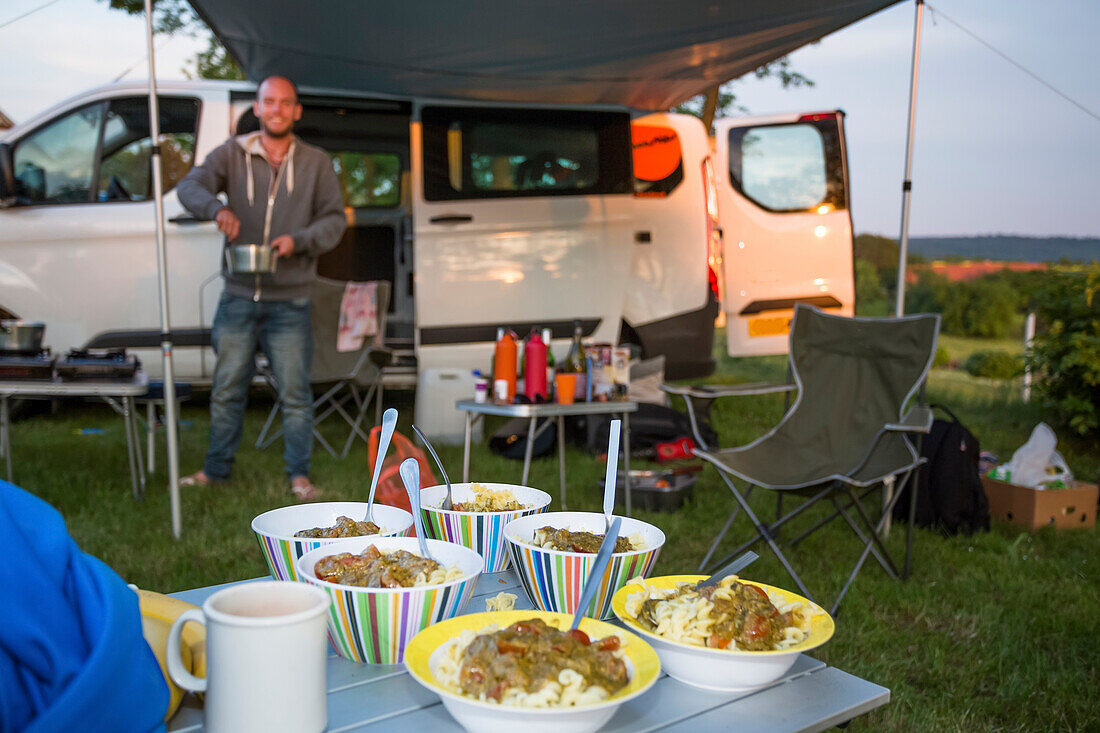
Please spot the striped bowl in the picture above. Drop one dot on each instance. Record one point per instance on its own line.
(374, 625)
(553, 579)
(281, 549)
(482, 532)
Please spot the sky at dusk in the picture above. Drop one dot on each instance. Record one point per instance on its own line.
(995, 151)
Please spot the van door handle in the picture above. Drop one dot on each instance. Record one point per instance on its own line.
(643, 237)
(451, 219)
(184, 219)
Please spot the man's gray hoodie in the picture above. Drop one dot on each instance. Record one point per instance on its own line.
(305, 203)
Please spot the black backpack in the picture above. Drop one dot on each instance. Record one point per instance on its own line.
(650, 425)
(951, 498)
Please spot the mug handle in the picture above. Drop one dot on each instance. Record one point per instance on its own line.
(176, 670)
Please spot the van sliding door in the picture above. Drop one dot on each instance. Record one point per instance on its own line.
(783, 205)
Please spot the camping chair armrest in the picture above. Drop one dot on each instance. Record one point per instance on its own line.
(707, 392)
(710, 392)
(917, 420)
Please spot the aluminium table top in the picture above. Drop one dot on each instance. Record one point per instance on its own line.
(363, 697)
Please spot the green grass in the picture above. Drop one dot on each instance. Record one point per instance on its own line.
(959, 348)
(993, 632)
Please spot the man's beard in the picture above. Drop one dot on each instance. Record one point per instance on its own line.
(276, 135)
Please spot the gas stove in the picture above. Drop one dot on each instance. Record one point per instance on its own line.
(16, 364)
(97, 365)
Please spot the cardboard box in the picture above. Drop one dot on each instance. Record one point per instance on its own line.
(1034, 508)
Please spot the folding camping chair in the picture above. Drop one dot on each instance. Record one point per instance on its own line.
(847, 433)
(349, 379)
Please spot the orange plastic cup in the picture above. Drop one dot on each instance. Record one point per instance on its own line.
(564, 386)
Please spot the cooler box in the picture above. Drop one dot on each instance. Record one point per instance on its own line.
(437, 391)
(1034, 508)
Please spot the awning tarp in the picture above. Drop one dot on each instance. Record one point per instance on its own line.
(647, 54)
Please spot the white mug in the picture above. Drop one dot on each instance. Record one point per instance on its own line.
(266, 655)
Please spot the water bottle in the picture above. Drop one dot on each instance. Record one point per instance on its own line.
(535, 371)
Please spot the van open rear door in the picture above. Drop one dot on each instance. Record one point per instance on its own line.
(783, 207)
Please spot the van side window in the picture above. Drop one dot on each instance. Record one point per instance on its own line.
(101, 152)
(787, 168)
(368, 180)
(125, 170)
(56, 163)
(499, 153)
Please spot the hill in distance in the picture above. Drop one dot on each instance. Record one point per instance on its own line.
(1007, 247)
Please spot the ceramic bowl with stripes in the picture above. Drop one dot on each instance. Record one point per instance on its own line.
(553, 579)
(374, 625)
(281, 549)
(482, 532)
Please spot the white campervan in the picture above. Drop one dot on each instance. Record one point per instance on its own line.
(481, 215)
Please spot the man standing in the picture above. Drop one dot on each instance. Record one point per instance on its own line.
(282, 193)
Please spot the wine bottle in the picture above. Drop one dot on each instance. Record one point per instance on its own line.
(549, 364)
(575, 363)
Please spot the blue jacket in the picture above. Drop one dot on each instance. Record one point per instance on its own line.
(72, 653)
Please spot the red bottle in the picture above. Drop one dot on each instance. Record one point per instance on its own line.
(535, 374)
(504, 365)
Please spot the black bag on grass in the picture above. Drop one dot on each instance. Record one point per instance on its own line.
(510, 441)
(950, 496)
(650, 425)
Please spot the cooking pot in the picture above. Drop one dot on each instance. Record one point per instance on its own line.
(21, 335)
(250, 259)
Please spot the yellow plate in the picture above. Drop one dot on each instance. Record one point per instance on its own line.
(646, 665)
(822, 626)
(770, 325)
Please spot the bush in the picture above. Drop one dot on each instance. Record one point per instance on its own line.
(994, 365)
(942, 358)
(1065, 354)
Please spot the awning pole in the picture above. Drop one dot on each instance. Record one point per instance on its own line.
(907, 184)
(170, 416)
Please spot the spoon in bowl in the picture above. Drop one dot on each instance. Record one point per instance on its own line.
(447, 505)
(389, 422)
(595, 575)
(410, 476)
(733, 568)
(612, 474)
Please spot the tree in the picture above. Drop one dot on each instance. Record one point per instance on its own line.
(176, 16)
(779, 69)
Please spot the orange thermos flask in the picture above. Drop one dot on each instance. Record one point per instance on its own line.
(504, 363)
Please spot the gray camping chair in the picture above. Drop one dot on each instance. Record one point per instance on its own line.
(349, 379)
(848, 432)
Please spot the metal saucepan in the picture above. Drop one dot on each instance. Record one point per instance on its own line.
(250, 259)
(21, 335)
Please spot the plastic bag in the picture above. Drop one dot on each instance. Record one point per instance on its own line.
(391, 489)
(1030, 463)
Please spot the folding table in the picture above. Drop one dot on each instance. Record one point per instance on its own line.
(475, 410)
(382, 697)
(119, 395)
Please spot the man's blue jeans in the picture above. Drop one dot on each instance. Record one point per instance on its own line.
(282, 330)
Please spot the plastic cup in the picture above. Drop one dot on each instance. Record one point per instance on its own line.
(564, 385)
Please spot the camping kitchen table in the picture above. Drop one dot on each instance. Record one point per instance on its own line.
(384, 698)
(475, 410)
(119, 395)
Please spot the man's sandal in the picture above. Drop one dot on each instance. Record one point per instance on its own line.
(198, 478)
(303, 489)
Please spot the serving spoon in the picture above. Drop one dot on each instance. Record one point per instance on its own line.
(732, 569)
(447, 505)
(612, 474)
(595, 575)
(410, 476)
(389, 422)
